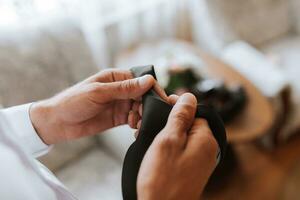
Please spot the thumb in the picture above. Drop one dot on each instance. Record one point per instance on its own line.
(128, 89)
(182, 115)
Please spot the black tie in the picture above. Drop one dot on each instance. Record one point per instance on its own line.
(154, 119)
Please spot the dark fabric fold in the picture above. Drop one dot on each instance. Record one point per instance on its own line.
(155, 115)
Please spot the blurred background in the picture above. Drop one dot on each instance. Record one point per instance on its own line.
(240, 56)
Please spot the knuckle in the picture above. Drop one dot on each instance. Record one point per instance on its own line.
(133, 83)
(128, 85)
(113, 75)
(107, 72)
(168, 140)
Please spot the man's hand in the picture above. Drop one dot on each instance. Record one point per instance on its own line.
(181, 158)
(105, 100)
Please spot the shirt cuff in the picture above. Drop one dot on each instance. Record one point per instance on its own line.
(20, 122)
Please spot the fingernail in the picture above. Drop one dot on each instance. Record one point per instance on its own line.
(187, 98)
(182, 99)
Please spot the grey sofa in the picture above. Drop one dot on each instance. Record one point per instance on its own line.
(38, 61)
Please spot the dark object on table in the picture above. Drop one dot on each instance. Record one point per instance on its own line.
(181, 78)
(155, 116)
(228, 102)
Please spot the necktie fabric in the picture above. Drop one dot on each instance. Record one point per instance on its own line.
(154, 119)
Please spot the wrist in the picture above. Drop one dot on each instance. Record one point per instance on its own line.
(43, 121)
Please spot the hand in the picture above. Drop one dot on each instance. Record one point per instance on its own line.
(181, 158)
(105, 100)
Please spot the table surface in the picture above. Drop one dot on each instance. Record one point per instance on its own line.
(260, 174)
(258, 116)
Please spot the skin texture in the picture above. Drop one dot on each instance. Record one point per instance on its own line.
(105, 100)
(181, 158)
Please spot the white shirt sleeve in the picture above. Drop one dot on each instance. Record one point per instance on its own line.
(19, 120)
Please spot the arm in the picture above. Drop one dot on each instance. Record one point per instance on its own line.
(181, 158)
(105, 100)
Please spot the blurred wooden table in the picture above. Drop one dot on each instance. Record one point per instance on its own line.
(258, 116)
(259, 174)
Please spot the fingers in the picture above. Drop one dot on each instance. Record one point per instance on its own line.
(110, 75)
(127, 89)
(136, 106)
(138, 126)
(134, 115)
(182, 114)
(133, 119)
(173, 99)
(161, 92)
(123, 86)
(201, 141)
